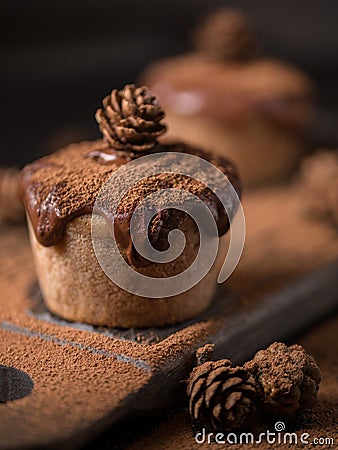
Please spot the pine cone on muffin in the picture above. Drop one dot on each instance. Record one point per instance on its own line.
(221, 397)
(286, 378)
(130, 119)
(226, 34)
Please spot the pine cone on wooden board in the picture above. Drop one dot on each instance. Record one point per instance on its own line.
(286, 378)
(221, 397)
(130, 119)
(11, 206)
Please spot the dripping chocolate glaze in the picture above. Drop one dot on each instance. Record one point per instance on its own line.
(64, 185)
(170, 219)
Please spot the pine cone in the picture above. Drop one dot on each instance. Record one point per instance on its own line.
(204, 354)
(287, 379)
(130, 119)
(11, 206)
(226, 35)
(318, 186)
(221, 397)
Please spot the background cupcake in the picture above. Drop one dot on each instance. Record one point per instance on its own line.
(256, 109)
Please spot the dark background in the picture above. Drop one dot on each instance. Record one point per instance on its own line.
(59, 59)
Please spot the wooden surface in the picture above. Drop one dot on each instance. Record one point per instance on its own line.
(86, 378)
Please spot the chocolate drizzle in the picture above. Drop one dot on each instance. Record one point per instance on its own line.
(122, 235)
(163, 223)
(64, 185)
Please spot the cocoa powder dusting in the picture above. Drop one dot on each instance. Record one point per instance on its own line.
(176, 432)
(79, 376)
(287, 379)
(65, 185)
(75, 389)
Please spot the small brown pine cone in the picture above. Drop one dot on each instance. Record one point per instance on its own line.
(11, 206)
(287, 379)
(204, 354)
(226, 34)
(130, 119)
(221, 397)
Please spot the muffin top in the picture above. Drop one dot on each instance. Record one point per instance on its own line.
(225, 77)
(65, 184)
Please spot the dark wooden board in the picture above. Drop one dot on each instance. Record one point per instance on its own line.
(86, 379)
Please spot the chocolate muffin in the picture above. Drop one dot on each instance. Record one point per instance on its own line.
(254, 109)
(60, 191)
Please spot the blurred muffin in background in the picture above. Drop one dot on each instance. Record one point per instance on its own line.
(317, 184)
(225, 95)
(11, 206)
